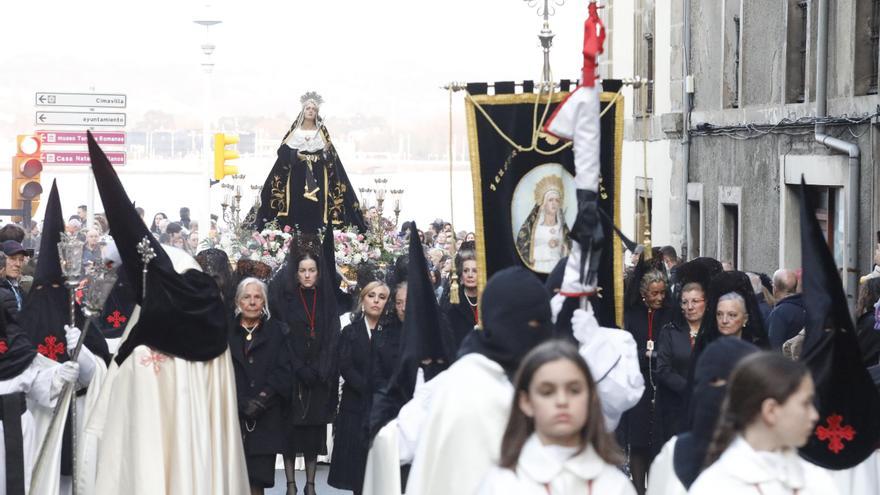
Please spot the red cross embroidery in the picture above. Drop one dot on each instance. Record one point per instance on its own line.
(116, 319)
(155, 359)
(835, 433)
(3, 346)
(52, 348)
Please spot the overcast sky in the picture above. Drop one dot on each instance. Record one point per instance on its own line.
(387, 57)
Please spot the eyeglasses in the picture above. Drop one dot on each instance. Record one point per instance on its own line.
(692, 302)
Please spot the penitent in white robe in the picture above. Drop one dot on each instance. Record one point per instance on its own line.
(164, 426)
(460, 437)
(36, 383)
(50, 480)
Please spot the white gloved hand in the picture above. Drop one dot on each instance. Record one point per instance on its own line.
(86, 361)
(72, 334)
(68, 372)
(584, 325)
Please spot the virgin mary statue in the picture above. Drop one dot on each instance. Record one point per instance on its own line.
(543, 238)
(307, 188)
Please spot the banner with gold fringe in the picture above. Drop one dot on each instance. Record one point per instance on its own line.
(524, 194)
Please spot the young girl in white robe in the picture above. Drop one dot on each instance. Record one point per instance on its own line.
(767, 414)
(555, 442)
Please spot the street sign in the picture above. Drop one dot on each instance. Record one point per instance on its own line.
(79, 157)
(91, 100)
(78, 137)
(83, 119)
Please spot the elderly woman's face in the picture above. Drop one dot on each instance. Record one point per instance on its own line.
(654, 295)
(469, 274)
(731, 317)
(310, 111)
(251, 302)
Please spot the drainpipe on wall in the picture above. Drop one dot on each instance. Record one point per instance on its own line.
(851, 272)
(686, 91)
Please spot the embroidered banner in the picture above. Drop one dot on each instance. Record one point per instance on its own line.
(524, 194)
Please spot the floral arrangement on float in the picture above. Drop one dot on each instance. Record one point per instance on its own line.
(269, 246)
(377, 247)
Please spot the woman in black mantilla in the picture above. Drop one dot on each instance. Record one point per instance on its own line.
(676, 342)
(261, 357)
(358, 347)
(463, 316)
(307, 187)
(295, 297)
(645, 313)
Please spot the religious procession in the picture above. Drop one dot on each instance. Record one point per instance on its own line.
(322, 341)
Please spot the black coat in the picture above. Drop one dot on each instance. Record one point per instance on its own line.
(673, 362)
(785, 321)
(350, 432)
(313, 359)
(460, 318)
(386, 353)
(8, 301)
(263, 367)
(869, 339)
(638, 426)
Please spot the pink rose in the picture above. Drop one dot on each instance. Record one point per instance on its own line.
(286, 229)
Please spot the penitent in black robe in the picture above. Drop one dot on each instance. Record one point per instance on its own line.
(307, 202)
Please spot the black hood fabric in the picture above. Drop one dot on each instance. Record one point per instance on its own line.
(720, 285)
(16, 350)
(633, 295)
(422, 338)
(716, 363)
(183, 314)
(848, 429)
(699, 271)
(46, 308)
(515, 309)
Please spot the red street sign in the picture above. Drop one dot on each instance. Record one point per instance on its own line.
(74, 137)
(79, 157)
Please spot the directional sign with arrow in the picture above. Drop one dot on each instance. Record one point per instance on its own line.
(91, 100)
(85, 119)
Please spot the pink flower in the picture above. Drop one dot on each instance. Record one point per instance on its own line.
(360, 237)
(286, 228)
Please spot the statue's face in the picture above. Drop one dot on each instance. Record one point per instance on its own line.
(310, 111)
(552, 202)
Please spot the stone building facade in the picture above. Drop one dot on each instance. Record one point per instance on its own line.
(751, 76)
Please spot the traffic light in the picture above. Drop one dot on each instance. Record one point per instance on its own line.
(221, 154)
(26, 167)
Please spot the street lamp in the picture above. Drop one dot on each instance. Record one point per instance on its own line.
(207, 17)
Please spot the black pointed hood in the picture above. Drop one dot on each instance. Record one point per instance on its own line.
(46, 308)
(848, 429)
(126, 226)
(422, 339)
(48, 269)
(183, 313)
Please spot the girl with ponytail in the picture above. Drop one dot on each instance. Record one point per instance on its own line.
(767, 414)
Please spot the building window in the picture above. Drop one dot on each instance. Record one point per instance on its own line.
(875, 46)
(738, 27)
(643, 208)
(729, 235)
(867, 47)
(796, 52)
(694, 230)
(732, 54)
(644, 56)
(829, 213)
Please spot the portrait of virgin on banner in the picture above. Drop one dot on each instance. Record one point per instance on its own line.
(543, 209)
